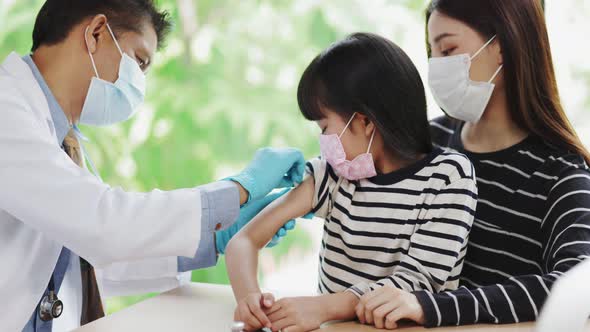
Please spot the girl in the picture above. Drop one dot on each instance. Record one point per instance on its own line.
(533, 218)
(397, 212)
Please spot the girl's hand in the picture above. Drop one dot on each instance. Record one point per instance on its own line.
(250, 311)
(385, 306)
(297, 314)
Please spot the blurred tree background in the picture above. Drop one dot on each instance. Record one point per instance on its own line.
(225, 85)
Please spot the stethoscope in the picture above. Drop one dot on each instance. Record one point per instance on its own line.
(50, 307)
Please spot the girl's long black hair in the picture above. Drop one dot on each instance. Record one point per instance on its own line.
(369, 74)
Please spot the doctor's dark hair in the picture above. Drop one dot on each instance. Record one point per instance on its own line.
(58, 17)
(529, 77)
(369, 74)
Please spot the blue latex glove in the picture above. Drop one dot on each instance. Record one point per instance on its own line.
(271, 169)
(283, 231)
(249, 211)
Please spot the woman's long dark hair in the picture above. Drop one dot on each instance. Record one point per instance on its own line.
(531, 89)
(369, 74)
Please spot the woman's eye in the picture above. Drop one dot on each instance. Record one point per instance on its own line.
(448, 51)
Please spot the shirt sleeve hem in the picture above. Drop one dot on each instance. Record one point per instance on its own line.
(425, 299)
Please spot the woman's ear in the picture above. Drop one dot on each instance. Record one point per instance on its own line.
(498, 52)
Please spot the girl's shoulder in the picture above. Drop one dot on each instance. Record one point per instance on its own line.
(321, 170)
(453, 164)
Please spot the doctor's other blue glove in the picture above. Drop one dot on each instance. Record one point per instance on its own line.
(271, 169)
(289, 226)
(249, 211)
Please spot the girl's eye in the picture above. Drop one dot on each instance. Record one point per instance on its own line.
(324, 130)
(448, 51)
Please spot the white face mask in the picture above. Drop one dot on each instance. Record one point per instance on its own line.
(109, 103)
(454, 91)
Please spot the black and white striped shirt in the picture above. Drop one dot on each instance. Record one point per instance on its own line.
(532, 224)
(407, 229)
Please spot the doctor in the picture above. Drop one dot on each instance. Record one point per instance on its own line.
(64, 233)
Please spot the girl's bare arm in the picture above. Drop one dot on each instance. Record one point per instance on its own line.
(242, 251)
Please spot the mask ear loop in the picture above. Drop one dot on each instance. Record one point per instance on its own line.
(371, 141)
(334, 192)
(347, 125)
(483, 47)
(115, 39)
(481, 50)
(91, 57)
(496, 74)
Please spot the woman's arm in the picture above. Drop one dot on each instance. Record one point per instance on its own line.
(242, 251)
(566, 242)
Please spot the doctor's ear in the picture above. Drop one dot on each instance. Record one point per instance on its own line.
(95, 32)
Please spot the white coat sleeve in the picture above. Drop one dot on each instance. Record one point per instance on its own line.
(43, 188)
(140, 277)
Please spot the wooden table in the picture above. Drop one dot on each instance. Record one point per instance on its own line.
(209, 308)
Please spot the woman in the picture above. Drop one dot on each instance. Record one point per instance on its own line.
(533, 217)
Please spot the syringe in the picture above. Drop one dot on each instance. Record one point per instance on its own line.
(238, 327)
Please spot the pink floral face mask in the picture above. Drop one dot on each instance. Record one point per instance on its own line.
(362, 167)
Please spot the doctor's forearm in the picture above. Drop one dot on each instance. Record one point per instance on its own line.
(220, 210)
(205, 257)
(244, 195)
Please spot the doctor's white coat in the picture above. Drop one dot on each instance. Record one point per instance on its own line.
(46, 202)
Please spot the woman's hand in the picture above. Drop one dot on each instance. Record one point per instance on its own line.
(297, 314)
(250, 311)
(385, 306)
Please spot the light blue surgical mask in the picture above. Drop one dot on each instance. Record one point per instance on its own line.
(110, 103)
